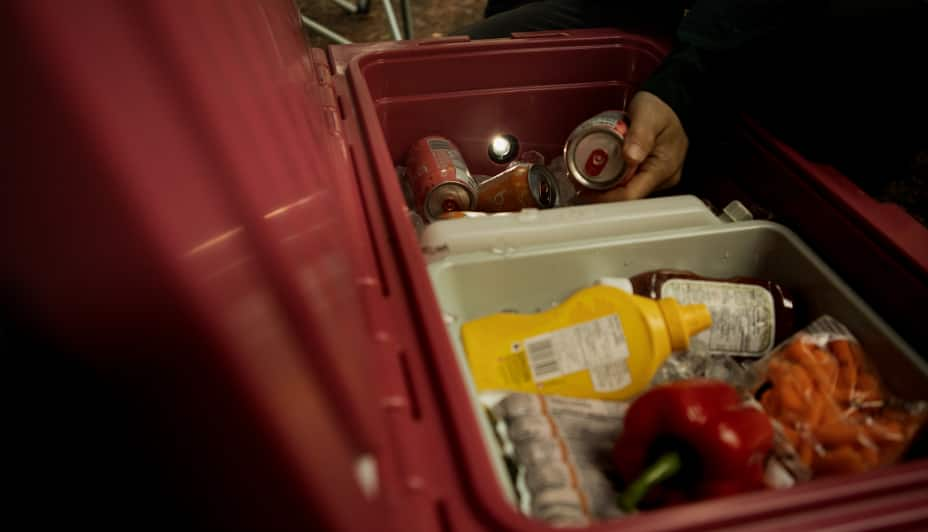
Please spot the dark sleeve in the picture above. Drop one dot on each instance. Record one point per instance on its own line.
(714, 41)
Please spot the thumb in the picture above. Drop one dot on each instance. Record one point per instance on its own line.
(642, 132)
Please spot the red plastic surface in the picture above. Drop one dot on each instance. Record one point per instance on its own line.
(886, 221)
(208, 210)
(174, 216)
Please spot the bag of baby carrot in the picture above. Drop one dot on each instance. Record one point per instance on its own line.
(832, 412)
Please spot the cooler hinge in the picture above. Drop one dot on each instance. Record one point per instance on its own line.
(319, 64)
(407, 464)
(404, 461)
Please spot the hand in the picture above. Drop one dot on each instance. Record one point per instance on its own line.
(654, 150)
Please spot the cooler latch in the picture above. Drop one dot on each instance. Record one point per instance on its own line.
(320, 68)
(736, 212)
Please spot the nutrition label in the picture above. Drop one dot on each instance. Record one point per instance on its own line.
(743, 316)
(598, 346)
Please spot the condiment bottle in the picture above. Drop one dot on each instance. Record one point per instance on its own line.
(601, 343)
(749, 315)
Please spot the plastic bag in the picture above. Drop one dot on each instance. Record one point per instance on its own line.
(693, 365)
(831, 412)
(562, 449)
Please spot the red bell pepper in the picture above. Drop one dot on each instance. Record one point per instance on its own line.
(690, 440)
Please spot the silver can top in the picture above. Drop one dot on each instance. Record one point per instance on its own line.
(593, 152)
(543, 185)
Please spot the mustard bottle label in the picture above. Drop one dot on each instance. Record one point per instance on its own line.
(597, 346)
(601, 342)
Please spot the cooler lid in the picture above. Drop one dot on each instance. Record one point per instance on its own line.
(212, 131)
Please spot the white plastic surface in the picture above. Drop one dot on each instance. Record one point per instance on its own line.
(532, 227)
(536, 277)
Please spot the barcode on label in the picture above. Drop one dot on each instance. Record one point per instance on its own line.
(438, 144)
(543, 359)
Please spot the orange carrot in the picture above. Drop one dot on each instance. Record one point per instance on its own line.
(847, 374)
(801, 377)
(831, 412)
(885, 431)
(790, 398)
(844, 459)
(868, 388)
(837, 433)
(801, 354)
(816, 409)
(805, 452)
(828, 366)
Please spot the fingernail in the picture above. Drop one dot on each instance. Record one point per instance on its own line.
(635, 152)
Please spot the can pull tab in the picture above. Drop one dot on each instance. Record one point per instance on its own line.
(596, 162)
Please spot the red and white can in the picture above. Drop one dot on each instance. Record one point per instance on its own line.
(593, 152)
(439, 178)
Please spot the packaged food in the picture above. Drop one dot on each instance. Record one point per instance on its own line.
(682, 366)
(562, 451)
(690, 440)
(600, 343)
(749, 315)
(831, 411)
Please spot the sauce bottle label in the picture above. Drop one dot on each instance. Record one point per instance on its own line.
(743, 316)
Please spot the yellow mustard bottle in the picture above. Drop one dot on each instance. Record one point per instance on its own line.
(600, 343)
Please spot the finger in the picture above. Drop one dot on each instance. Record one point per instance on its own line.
(651, 176)
(642, 132)
(672, 181)
(587, 197)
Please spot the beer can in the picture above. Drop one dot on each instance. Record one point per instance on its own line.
(439, 178)
(521, 186)
(593, 151)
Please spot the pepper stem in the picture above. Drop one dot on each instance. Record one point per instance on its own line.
(663, 468)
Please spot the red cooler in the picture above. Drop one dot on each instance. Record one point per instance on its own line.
(206, 211)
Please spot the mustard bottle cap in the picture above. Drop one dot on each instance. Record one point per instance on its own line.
(683, 321)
